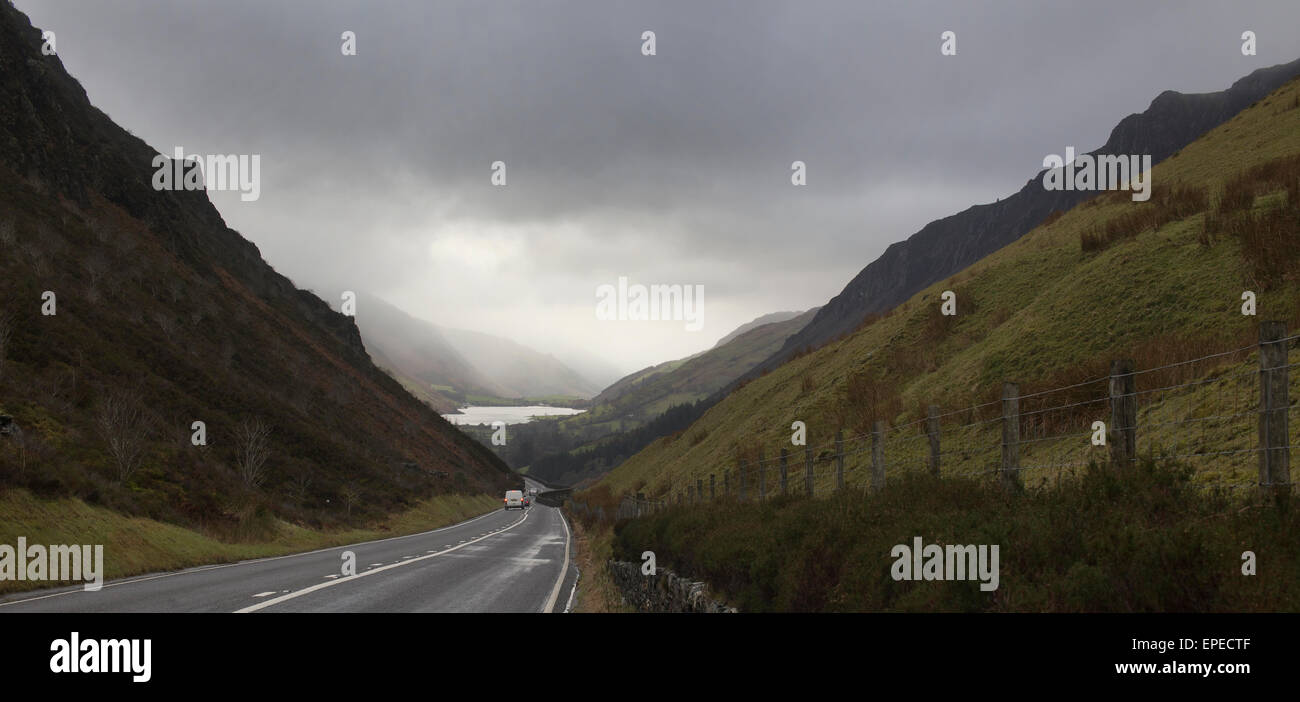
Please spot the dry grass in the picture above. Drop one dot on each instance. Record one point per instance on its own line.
(136, 545)
(597, 592)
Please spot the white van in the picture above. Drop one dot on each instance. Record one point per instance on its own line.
(514, 498)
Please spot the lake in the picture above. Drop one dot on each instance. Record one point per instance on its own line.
(509, 415)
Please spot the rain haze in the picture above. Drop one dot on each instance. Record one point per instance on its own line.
(671, 168)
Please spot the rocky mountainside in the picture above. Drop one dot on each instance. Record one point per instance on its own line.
(162, 316)
(945, 246)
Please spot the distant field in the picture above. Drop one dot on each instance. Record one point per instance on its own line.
(572, 401)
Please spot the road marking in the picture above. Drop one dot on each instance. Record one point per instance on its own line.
(372, 565)
(78, 589)
(321, 586)
(555, 593)
(264, 594)
(331, 577)
(569, 607)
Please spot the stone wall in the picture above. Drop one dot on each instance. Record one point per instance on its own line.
(664, 591)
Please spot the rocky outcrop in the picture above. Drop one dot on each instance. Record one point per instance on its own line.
(665, 591)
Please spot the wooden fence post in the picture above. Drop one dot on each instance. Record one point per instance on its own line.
(726, 483)
(1123, 414)
(712, 490)
(878, 455)
(762, 476)
(741, 468)
(808, 469)
(1274, 456)
(699, 489)
(1010, 434)
(839, 459)
(783, 471)
(932, 429)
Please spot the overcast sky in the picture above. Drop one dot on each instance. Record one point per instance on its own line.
(672, 168)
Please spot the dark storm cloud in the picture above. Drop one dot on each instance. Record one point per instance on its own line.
(673, 168)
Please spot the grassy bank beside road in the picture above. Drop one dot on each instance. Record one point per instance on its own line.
(1144, 541)
(136, 545)
(596, 589)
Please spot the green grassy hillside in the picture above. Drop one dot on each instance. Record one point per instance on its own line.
(640, 407)
(649, 392)
(1157, 282)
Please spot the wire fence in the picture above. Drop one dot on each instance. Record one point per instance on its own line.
(1233, 422)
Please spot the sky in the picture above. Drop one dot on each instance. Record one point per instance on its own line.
(673, 168)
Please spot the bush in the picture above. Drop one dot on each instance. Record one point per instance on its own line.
(1140, 540)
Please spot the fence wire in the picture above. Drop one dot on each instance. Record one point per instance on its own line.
(1204, 411)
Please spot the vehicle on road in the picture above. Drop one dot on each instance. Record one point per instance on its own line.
(514, 499)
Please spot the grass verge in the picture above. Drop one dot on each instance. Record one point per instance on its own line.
(597, 592)
(136, 545)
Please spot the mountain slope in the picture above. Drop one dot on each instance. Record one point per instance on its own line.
(651, 391)
(1050, 311)
(446, 366)
(517, 369)
(769, 318)
(948, 245)
(165, 317)
(418, 354)
(642, 407)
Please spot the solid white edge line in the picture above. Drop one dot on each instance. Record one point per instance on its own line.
(555, 592)
(144, 578)
(350, 578)
(577, 576)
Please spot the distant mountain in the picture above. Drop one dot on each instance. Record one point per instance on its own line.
(644, 405)
(129, 314)
(589, 365)
(945, 246)
(650, 391)
(518, 370)
(447, 366)
(418, 354)
(770, 318)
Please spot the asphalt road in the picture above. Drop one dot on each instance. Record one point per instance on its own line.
(504, 561)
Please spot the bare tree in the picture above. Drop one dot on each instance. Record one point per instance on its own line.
(253, 443)
(350, 494)
(119, 420)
